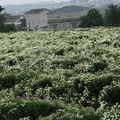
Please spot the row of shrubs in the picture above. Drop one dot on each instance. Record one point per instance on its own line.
(90, 93)
(7, 28)
(15, 109)
(106, 89)
(35, 109)
(10, 80)
(88, 77)
(70, 63)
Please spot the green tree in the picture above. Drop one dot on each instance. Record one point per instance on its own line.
(23, 22)
(2, 19)
(1, 9)
(112, 16)
(93, 18)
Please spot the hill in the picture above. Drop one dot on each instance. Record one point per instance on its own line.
(60, 74)
(21, 9)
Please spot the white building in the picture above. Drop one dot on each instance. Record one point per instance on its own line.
(66, 17)
(36, 19)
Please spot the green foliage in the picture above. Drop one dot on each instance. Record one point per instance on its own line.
(89, 96)
(2, 19)
(70, 62)
(12, 61)
(93, 18)
(74, 72)
(23, 21)
(45, 82)
(7, 28)
(20, 58)
(66, 64)
(1, 9)
(59, 91)
(111, 94)
(76, 113)
(112, 16)
(112, 113)
(17, 108)
(25, 75)
(22, 26)
(60, 52)
(98, 84)
(1, 68)
(97, 66)
(8, 81)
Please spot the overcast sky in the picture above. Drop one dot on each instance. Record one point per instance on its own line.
(5, 2)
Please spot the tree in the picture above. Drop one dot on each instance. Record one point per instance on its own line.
(22, 26)
(93, 18)
(1, 9)
(23, 22)
(2, 19)
(112, 16)
(5, 28)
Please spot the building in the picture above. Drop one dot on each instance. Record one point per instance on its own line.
(12, 19)
(66, 17)
(36, 19)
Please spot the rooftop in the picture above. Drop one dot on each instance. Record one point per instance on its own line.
(12, 19)
(67, 9)
(34, 11)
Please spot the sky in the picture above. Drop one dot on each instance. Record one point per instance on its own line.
(18, 2)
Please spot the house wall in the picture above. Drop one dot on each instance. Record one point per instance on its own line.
(36, 21)
(64, 25)
(63, 20)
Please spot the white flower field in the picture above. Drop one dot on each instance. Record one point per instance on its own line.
(60, 75)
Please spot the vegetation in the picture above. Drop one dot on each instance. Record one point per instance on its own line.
(2, 18)
(22, 25)
(94, 18)
(1, 9)
(65, 74)
(5, 28)
(112, 16)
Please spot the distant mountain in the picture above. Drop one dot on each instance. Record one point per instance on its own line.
(94, 3)
(21, 9)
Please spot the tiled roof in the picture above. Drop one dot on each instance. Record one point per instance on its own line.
(12, 19)
(67, 9)
(34, 11)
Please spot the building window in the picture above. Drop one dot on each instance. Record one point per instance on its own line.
(53, 26)
(57, 16)
(73, 25)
